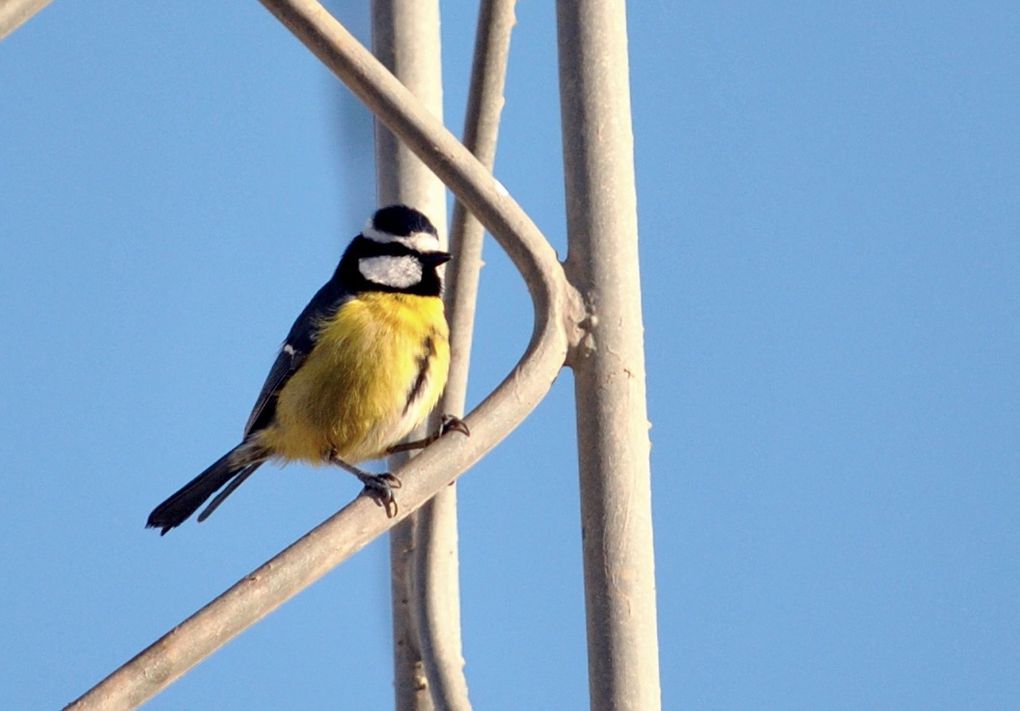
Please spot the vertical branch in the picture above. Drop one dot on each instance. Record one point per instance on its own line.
(436, 569)
(481, 129)
(405, 38)
(612, 424)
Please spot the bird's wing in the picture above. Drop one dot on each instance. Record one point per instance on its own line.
(285, 365)
(295, 349)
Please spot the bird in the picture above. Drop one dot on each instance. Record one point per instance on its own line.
(362, 366)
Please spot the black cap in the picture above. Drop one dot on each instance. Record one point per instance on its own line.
(401, 220)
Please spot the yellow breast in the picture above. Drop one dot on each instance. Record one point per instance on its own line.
(377, 369)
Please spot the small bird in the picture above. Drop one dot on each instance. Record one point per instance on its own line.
(363, 365)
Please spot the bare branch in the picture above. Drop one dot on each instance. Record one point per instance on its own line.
(438, 148)
(436, 561)
(15, 13)
(410, 685)
(612, 417)
(405, 38)
(361, 521)
(481, 128)
(332, 542)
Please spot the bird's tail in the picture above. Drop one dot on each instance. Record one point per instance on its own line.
(234, 467)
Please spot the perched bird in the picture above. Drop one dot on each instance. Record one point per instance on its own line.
(363, 365)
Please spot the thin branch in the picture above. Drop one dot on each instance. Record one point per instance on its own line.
(361, 521)
(436, 560)
(15, 13)
(612, 417)
(481, 129)
(410, 684)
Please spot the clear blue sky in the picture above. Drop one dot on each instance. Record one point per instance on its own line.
(830, 233)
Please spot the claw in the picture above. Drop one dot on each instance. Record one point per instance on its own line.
(380, 487)
(451, 423)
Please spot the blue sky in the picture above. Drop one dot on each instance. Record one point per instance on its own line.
(830, 232)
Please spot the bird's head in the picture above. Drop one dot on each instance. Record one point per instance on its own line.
(398, 251)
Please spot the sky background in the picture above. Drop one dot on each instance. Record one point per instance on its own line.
(829, 204)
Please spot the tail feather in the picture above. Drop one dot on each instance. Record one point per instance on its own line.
(237, 464)
(228, 490)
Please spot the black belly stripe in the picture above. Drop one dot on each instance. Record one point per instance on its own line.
(423, 372)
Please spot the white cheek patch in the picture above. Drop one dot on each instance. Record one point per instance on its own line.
(418, 241)
(397, 272)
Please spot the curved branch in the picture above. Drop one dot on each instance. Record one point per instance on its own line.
(436, 587)
(358, 523)
(396, 107)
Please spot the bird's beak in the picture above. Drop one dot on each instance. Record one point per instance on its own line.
(434, 259)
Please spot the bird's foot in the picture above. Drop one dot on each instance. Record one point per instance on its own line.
(380, 487)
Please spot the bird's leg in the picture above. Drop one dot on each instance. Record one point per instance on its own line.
(449, 423)
(379, 486)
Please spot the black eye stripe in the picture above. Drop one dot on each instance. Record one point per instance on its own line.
(362, 247)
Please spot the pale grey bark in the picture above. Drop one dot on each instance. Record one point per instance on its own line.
(609, 369)
(481, 129)
(405, 38)
(436, 557)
